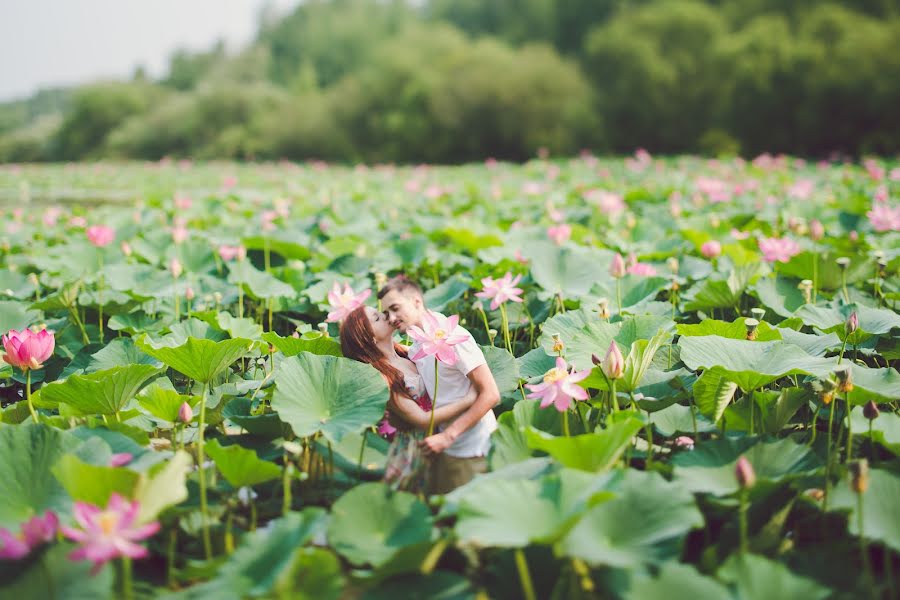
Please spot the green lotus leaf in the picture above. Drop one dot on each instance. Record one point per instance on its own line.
(164, 485)
(567, 270)
(677, 419)
(438, 297)
(16, 315)
(885, 429)
(758, 578)
(117, 353)
(713, 392)
(329, 395)
(241, 466)
(735, 330)
(832, 319)
(164, 403)
(676, 581)
(509, 443)
(780, 295)
(503, 367)
(105, 392)
(259, 284)
(199, 359)
(593, 452)
(69, 579)
(881, 520)
(314, 342)
(371, 523)
(716, 292)
(94, 483)
(709, 468)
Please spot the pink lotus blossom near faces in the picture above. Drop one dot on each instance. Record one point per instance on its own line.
(884, 217)
(101, 235)
(778, 249)
(26, 349)
(559, 386)
(711, 249)
(437, 337)
(33, 532)
(344, 303)
(501, 290)
(108, 533)
(559, 233)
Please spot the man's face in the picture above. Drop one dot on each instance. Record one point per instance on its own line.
(403, 309)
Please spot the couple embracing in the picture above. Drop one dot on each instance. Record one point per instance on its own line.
(467, 392)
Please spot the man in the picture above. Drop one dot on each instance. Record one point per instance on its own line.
(459, 451)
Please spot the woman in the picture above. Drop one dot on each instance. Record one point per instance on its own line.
(367, 336)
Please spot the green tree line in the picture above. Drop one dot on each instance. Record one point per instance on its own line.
(460, 80)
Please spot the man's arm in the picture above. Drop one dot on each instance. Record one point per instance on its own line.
(488, 397)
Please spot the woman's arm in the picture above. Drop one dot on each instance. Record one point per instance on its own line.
(411, 413)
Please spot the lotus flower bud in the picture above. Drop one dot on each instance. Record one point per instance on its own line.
(603, 308)
(613, 363)
(752, 325)
(859, 475)
(189, 293)
(870, 410)
(852, 323)
(744, 473)
(185, 413)
(120, 459)
(816, 230)
(558, 345)
(176, 268)
(492, 333)
(758, 313)
(711, 249)
(844, 377)
(617, 268)
(843, 262)
(806, 286)
(673, 264)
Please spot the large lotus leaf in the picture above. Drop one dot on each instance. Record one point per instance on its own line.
(591, 451)
(831, 319)
(163, 486)
(119, 352)
(279, 243)
(881, 519)
(535, 363)
(509, 443)
(779, 295)
(635, 527)
(676, 581)
(709, 468)
(713, 392)
(259, 284)
(503, 367)
(736, 330)
(199, 359)
(885, 429)
(16, 315)
(750, 364)
(639, 358)
(104, 392)
(880, 385)
(544, 510)
(439, 585)
(677, 419)
(438, 297)
(27, 486)
(244, 327)
(829, 273)
(567, 270)
(135, 323)
(345, 454)
(15, 284)
(182, 331)
(164, 403)
(758, 578)
(716, 292)
(93, 483)
(314, 342)
(241, 466)
(634, 289)
(55, 576)
(264, 560)
(329, 395)
(370, 523)
(239, 412)
(814, 345)
(140, 281)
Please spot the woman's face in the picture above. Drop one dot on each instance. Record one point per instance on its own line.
(380, 326)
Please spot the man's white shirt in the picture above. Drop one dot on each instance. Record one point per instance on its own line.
(453, 385)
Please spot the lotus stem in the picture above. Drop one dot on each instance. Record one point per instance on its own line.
(127, 591)
(849, 428)
(266, 254)
(505, 320)
(649, 428)
(619, 297)
(269, 306)
(871, 444)
(742, 520)
(524, 575)
(828, 462)
(362, 450)
(612, 395)
(564, 415)
(815, 279)
(33, 412)
(170, 556)
(487, 327)
(433, 400)
(207, 543)
(286, 486)
(100, 302)
(229, 536)
(863, 546)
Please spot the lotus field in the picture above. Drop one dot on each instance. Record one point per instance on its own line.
(697, 361)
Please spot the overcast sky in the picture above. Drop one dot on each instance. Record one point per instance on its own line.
(61, 42)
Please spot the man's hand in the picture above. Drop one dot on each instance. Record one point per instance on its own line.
(435, 444)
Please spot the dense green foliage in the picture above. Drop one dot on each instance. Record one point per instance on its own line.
(459, 80)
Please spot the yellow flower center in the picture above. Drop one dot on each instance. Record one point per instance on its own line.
(554, 375)
(108, 522)
(440, 334)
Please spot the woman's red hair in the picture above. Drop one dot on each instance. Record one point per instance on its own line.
(358, 343)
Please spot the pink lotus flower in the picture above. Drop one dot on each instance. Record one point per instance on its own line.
(33, 532)
(51, 215)
(179, 234)
(500, 290)
(78, 221)
(109, 533)
(802, 190)
(683, 441)
(26, 349)
(229, 182)
(816, 230)
(778, 249)
(558, 387)
(642, 270)
(182, 202)
(176, 268)
(343, 303)
(120, 459)
(884, 218)
(186, 413)
(738, 234)
(711, 249)
(437, 337)
(617, 267)
(101, 235)
(229, 253)
(613, 364)
(386, 429)
(559, 233)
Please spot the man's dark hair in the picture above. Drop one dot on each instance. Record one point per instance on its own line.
(400, 283)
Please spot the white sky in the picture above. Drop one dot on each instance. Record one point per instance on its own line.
(61, 42)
